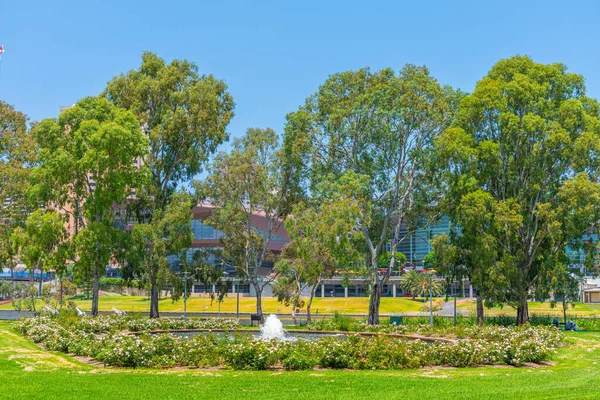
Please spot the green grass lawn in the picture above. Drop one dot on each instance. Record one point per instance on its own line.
(580, 309)
(351, 305)
(27, 372)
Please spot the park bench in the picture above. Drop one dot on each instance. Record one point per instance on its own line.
(255, 317)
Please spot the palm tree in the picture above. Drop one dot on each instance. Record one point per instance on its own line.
(412, 282)
(436, 287)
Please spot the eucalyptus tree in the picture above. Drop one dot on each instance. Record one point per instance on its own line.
(200, 269)
(17, 156)
(41, 243)
(169, 233)
(243, 185)
(86, 171)
(522, 161)
(183, 114)
(380, 126)
(322, 239)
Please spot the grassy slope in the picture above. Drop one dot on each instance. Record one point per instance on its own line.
(351, 305)
(270, 305)
(26, 372)
(537, 308)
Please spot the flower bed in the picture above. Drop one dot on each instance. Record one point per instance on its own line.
(112, 323)
(114, 347)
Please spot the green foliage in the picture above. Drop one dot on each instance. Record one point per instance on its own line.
(412, 282)
(183, 114)
(429, 261)
(168, 233)
(385, 258)
(485, 346)
(41, 244)
(6, 290)
(379, 127)
(521, 167)
(17, 155)
(243, 184)
(85, 168)
(322, 238)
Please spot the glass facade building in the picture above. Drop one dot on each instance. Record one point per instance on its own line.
(416, 246)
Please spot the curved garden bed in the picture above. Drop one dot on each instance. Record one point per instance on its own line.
(114, 345)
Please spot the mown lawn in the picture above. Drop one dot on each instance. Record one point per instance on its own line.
(27, 372)
(350, 305)
(580, 309)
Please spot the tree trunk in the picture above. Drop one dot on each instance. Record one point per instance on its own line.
(309, 302)
(374, 302)
(522, 312)
(12, 278)
(454, 310)
(565, 307)
(258, 291)
(154, 301)
(61, 293)
(40, 285)
(95, 291)
(479, 309)
(294, 315)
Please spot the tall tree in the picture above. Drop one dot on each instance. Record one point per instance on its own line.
(87, 171)
(40, 242)
(168, 233)
(17, 156)
(183, 114)
(381, 126)
(412, 282)
(244, 185)
(322, 238)
(565, 284)
(523, 157)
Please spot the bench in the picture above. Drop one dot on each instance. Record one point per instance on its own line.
(255, 317)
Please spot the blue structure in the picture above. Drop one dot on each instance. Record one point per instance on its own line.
(23, 275)
(416, 246)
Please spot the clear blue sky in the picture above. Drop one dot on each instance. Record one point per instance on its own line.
(274, 54)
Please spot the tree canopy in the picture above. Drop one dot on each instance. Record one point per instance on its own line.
(380, 126)
(183, 114)
(522, 171)
(87, 171)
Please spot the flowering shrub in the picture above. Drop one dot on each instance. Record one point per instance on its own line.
(200, 351)
(298, 355)
(477, 346)
(250, 353)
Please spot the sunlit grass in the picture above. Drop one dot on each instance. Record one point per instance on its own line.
(350, 305)
(28, 372)
(545, 308)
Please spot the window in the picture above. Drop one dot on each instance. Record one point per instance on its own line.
(244, 288)
(202, 231)
(200, 289)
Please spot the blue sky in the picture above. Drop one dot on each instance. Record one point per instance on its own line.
(275, 54)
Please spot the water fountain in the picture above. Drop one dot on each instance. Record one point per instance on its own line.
(272, 329)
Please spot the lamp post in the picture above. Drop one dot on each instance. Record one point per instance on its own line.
(431, 272)
(185, 276)
(455, 293)
(237, 303)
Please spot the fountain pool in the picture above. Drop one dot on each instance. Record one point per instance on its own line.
(272, 329)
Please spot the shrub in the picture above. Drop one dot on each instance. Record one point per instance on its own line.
(475, 346)
(251, 354)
